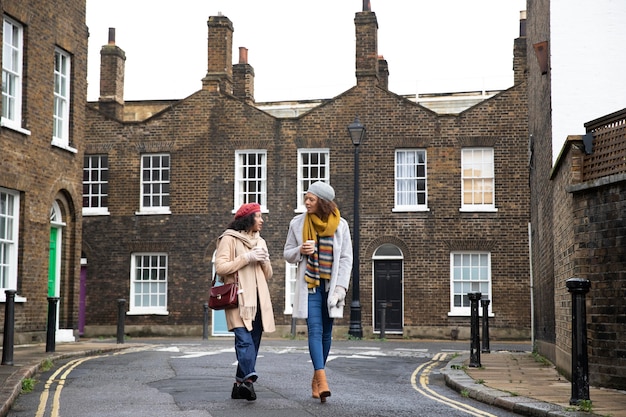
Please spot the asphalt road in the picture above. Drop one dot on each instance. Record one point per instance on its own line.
(191, 378)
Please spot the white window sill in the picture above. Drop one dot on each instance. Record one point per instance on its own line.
(11, 125)
(469, 209)
(152, 212)
(469, 314)
(96, 212)
(412, 209)
(18, 298)
(148, 311)
(63, 146)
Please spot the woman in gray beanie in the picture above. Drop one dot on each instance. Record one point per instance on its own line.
(319, 242)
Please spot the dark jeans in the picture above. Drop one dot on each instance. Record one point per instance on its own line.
(247, 348)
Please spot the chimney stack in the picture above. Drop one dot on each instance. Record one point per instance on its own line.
(519, 52)
(219, 75)
(366, 47)
(112, 60)
(383, 72)
(243, 78)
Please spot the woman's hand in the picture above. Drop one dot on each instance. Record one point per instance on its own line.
(337, 299)
(258, 254)
(308, 247)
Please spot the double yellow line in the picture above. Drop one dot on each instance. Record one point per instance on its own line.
(64, 371)
(56, 400)
(423, 371)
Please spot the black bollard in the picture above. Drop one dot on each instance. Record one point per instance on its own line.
(383, 319)
(475, 343)
(485, 305)
(9, 328)
(293, 326)
(52, 324)
(205, 327)
(121, 315)
(578, 287)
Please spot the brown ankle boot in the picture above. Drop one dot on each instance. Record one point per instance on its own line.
(315, 393)
(322, 384)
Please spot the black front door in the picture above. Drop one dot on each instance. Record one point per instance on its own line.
(388, 295)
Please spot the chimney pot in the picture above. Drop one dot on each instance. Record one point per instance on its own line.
(243, 55)
(111, 36)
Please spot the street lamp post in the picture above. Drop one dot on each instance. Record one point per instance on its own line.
(357, 134)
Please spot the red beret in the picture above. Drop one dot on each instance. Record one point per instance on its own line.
(247, 209)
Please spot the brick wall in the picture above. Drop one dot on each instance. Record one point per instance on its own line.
(540, 161)
(601, 258)
(43, 173)
(202, 132)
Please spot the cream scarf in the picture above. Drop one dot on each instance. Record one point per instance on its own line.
(247, 275)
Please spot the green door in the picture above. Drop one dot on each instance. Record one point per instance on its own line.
(52, 268)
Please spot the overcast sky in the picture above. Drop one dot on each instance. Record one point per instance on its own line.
(305, 49)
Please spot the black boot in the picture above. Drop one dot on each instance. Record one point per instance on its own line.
(235, 394)
(246, 390)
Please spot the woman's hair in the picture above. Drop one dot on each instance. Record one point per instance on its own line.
(242, 223)
(325, 207)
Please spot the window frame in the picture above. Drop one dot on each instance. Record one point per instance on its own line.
(100, 209)
(160, 209)
(411, 207)
(482, 207)
(62, 99)
(241, 196)
(291, 275)
(9, 245)
(158, 309)
(304, 183)
(13, 118)
(466, 310)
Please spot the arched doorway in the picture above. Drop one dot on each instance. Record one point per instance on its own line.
(54, 267)
(388, 269)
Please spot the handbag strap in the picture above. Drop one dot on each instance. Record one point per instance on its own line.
(215, 279)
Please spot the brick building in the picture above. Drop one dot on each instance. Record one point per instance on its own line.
(444, 198)
(578, 200)
(44, 89)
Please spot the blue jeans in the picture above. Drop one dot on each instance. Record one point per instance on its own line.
(247, 348)
(320, 328)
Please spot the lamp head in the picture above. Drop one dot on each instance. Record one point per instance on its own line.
(357, 131)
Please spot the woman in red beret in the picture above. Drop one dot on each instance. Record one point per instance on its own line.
(242, 254)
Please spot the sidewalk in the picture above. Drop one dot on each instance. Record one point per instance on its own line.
(516, 381)
(513, 381)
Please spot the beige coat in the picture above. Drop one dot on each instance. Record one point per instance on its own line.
(231, 261)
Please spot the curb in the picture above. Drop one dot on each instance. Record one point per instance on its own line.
(456, 378)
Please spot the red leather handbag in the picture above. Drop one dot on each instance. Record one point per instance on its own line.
(223, 297)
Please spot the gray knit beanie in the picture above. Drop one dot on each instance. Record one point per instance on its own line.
(322, 190)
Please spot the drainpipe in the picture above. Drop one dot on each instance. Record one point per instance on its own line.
(532, 300)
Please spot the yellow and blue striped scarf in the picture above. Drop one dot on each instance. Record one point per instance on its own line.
(319, 264)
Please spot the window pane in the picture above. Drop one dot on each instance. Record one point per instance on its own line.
(250, 178)
(478, 177)
(410, 181)
(470, 273)
(155, 181)
(95, 181)
(150, 281)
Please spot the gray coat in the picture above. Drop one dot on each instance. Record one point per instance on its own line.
(341, 270)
